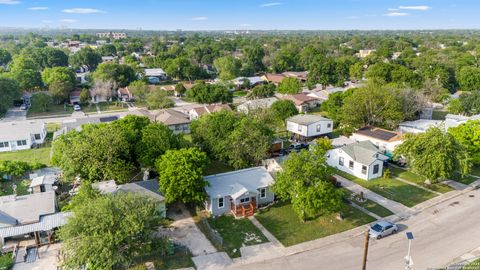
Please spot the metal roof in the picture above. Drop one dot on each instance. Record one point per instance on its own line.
(27, 208)
(46, 223)
(237, 182)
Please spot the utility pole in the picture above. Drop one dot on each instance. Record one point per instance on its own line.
(365, 252)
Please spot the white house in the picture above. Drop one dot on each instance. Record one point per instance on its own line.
(155, 73)
(360, 159)
(255, 104)
(451, 120)
(385, 140)
(21, 135)
(239, 192)
(308, 126)
(195, 113)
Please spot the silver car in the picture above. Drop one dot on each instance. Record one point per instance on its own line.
(382, 229)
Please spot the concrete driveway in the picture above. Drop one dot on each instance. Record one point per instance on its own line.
(184, 231)
(14, 114)
(48, 259)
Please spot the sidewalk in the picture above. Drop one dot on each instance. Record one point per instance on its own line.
(397, 208)
(463, 260)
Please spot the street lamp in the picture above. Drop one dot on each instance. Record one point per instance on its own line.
(408, 259)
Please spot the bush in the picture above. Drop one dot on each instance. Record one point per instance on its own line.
(387, 174)
(6, 261)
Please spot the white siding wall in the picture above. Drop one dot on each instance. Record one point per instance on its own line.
(311, 130)
(29, 138)
(334, 155)
(294, 128)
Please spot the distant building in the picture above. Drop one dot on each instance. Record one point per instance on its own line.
(303, 101)
(195, 113)
(256, 104)
(21, 135)
(364, 53)
(112, 35)
(158, 73)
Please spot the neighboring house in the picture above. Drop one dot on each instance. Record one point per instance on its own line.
(44, 183)
(77, 123)
(106, 59)
(239, 192)
(32, 216)
(418, 126)
(309, 126)
(124, 94)
(252, 80)
(75, 97)
(155, 73)
(303, 102)
(360, 159)
(273, 78)
(148, 188)
(385, 140)
(195, 113)
(178, 122)
(364, 53)
(81, 77)
(21, 135)
(256, 104)
(299, 75)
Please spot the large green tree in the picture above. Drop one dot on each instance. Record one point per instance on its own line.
(469, 78)
(284, 109)
(26, 72)
(289, 85)
(156, 140)
(5, 57)
(86, 56)
(123, 75)
(181, 175)
(305, 180)
(60, 81)
(371, 105)
(159, 99)
(435, 154)
(468, 134)
(9, 91)
(110, 231)
(228, 67)
(262, 91)
(209, 93)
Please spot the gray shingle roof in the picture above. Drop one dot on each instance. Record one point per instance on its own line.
(307, 119)
(27, 208)
(363, 152)
(148, 188)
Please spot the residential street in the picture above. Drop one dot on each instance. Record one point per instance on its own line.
(442, 234)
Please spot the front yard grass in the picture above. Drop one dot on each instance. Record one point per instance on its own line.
(467, 180)
(53, 109)
(475, 265)
(179, 260)
(369, 205)
(406, 194)
(419, 180)
(40, 155)
(236, 233)
(284, 224)
(112, 106)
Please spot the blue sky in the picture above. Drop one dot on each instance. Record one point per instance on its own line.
(241, 14)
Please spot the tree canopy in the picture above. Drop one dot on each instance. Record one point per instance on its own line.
(468, 134)
(289, 85)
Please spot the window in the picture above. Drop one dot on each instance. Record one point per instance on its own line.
(263, 193)
(376, 168)
(329, 125)
(318, 128)
(38, 137)
(364, 169)
(3, 144)
(299, 128)
(350, 165)
(177, 127)
(221, 202)
(245, 200)
(21, 143)
(340, 161)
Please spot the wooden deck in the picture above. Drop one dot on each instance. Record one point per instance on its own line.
(244, 210)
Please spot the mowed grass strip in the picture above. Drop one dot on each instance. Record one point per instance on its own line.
(406, 194)
(284, 224)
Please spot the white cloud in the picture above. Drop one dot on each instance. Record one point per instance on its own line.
(68, 21)
(397, 14)
(9, 2)
(38, 8)
(422, 8)
(271, 4)
(393, 9)
(199, 18)
(82, 11)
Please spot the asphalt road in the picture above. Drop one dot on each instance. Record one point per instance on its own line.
(442, 234)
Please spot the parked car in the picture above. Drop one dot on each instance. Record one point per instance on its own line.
(76, 107)
(382, 229)
(23, 107)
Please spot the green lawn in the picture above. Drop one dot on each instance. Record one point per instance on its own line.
(112, 106)
(216, 167)
(236, 233)
(284, 224)
(419, 180)
(475, 265)
(476, 171)
(53, 109)
(369, 205)
(41, 155)
(467, 180)
(240, 93)
(401, 192)
(179, 260)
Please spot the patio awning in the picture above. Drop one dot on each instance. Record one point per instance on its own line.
(46, 223)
